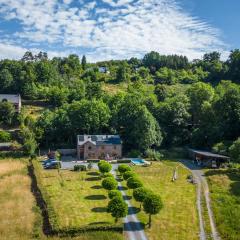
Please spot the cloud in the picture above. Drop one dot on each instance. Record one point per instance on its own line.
(110, 29)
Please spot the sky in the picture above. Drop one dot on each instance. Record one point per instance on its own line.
(118, 29)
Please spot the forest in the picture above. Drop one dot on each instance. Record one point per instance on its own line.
(155, 102)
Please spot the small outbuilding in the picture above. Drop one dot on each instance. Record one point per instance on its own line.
(208, 159)
(14, 99)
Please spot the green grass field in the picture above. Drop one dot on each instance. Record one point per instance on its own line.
(179, 218)
(75, 200)
(225, 195)
(17, 217)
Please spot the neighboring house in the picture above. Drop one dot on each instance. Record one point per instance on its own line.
(14, 99)
(99, 147)
(103, 70)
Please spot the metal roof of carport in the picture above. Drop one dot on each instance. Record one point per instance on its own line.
(208, 154)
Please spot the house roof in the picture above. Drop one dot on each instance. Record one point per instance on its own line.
(208, 154)
(6, 144)
(99, 139)
(10, 97)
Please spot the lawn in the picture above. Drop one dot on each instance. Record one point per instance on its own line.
(225, 195)
(75, 200)
(17, 216)
(179, 218)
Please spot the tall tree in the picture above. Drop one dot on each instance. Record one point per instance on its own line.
(84, 62)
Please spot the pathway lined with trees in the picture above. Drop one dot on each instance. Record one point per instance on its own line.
(133, 228)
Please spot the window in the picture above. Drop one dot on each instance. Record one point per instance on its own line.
(89, 148)
(115, 147)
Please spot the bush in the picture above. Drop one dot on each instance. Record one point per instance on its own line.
(134, 154)
(109, 183)
(104, 166)
(139, 194)
(129, 174)
(5, 136)
(118, 208)
(114, 193)
(105, 175)
(153, 155)
(79, 168)
(234, 151)
(134, 182)
(122, 168)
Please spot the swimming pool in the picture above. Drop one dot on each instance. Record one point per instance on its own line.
(138, 161)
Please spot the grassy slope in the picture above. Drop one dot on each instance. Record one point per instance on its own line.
(225, 194)
(76, 199)
(178, 219)
(16, 201)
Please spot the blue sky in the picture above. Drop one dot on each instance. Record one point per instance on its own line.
(117, 29)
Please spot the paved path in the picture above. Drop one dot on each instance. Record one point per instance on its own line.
(202, 185)
(133, 228)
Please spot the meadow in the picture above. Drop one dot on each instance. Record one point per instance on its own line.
(17, 215)
(225, 195)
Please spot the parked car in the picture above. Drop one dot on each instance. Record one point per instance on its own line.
(53, 165)
(48, 161)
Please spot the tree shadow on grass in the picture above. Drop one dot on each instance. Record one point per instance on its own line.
(122, 188)
(127, 197)
(98, 223)
(93, 173)
(99, 209)
(133, 210)
(96, 187)
(95, 197)
(133, 226)
(235, 188)
(93, 179)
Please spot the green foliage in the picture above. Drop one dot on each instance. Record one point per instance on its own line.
(139, 194)
(6, 80)
(28, 141)
(153, 155)
(5, 136)
(7, 113)
(79, 168)
(134, 182)
(108, 174)
(122, 168)
(109, 183)
(118, 208)
(220, 148)
(104, 166)
(134, 153)
(114, 193)
(152, 204)
(234, 151)
(128, 174)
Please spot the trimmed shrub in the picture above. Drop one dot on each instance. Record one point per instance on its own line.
(79, 168)
(152, 205)
(5, 136)
(139, 194)
(108, 175)
(133, 183)
(109, 183)
(118, 208)
(114, 193)
(104, 166)
(129, 174)
(122, 168)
